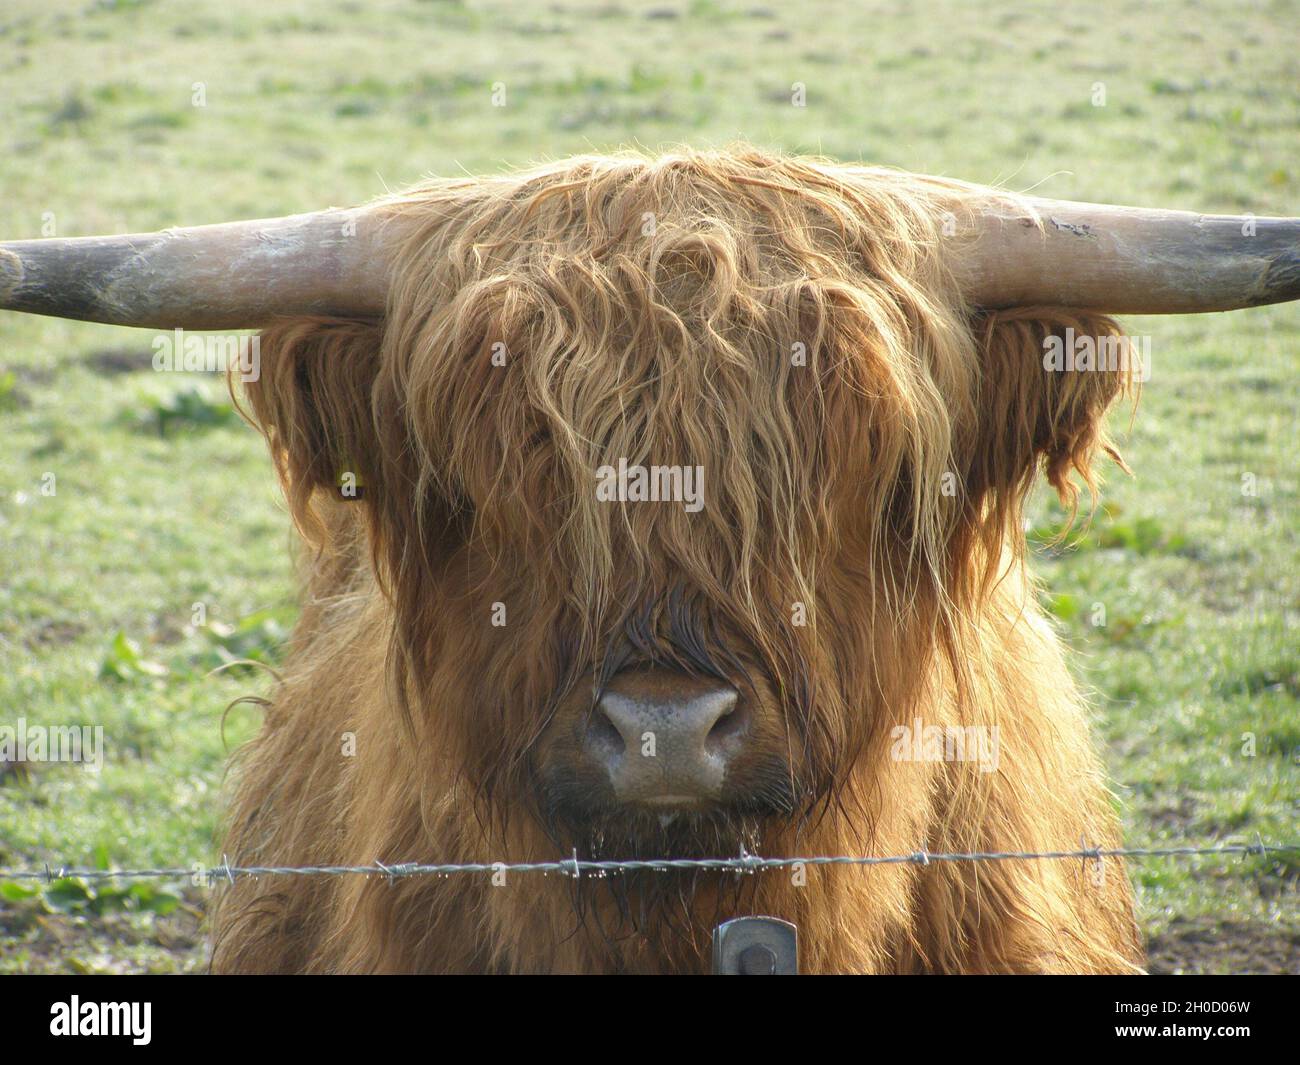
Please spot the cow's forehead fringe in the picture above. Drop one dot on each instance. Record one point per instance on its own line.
(784, 323)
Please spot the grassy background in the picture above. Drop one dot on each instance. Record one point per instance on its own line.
(164, 500)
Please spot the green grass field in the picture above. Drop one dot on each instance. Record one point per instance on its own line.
(163, 500)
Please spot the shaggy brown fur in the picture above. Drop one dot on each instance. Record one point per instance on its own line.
(649, 309)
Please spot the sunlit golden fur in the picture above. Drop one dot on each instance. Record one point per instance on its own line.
(868, 442)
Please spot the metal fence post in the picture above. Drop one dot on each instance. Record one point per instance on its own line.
(756, 946)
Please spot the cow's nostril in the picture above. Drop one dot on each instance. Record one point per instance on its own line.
(729, 726)
(603, 738)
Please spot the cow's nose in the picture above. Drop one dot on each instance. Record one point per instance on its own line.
(664, 738)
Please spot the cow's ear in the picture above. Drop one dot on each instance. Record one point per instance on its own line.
(1046, 380)
(311, 398)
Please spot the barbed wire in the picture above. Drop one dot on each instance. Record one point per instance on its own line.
(576, 867)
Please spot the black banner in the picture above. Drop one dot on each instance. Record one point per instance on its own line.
(378, 1016)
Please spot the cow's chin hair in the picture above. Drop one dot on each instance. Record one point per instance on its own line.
(671, 908)
(574, 816)
(638, 835)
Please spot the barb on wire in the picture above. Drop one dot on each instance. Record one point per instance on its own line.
(575, 867)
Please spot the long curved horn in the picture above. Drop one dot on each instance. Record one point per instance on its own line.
(230, 276)
(1126, 260)
(1026, 251)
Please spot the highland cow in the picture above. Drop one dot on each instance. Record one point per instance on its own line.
(495, 661)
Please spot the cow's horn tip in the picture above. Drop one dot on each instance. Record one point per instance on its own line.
(1282, 279)
(11, 273)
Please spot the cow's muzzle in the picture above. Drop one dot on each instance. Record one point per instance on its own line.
(664, 739)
